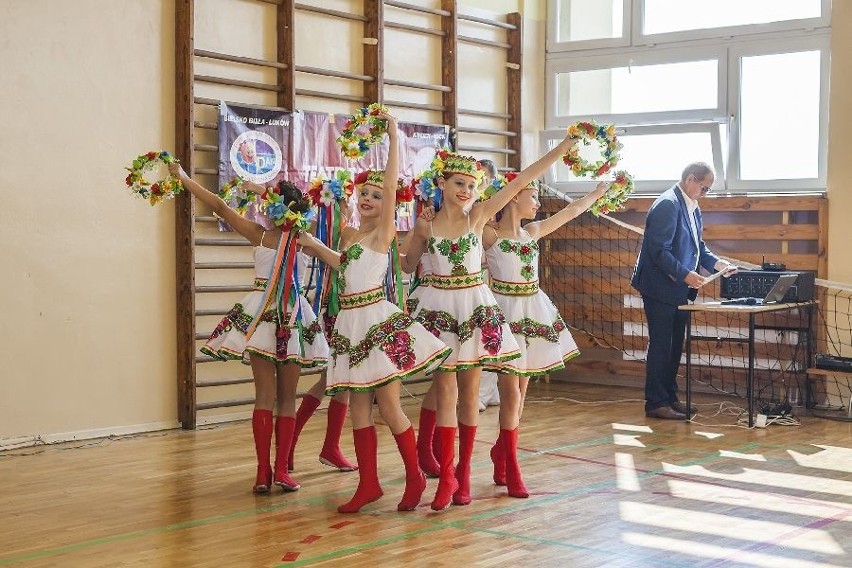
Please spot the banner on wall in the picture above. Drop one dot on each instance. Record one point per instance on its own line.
(265, 146)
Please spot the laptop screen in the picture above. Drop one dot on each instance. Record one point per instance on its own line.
(779, 289)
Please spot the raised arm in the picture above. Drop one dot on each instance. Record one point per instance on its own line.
(487, 209)
(248, 229)
(387, 223)
(544, 227)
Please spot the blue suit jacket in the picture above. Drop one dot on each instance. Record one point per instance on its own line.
(668, 251)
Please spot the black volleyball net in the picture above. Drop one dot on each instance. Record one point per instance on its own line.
(585, 269)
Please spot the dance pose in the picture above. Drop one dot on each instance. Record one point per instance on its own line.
(373, 343)
(461, 310)
(546, 344)
(276, 350)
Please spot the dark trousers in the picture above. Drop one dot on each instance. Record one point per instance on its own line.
(666, 331)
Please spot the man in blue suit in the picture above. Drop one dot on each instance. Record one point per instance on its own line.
(666, 275)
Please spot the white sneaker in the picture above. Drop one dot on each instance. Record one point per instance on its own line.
(482, 406)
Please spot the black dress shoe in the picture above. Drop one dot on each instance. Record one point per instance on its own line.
(666, 413)
(678, 406)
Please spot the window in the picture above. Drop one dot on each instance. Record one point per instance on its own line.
(669, 16)
(654, 156)
(588, 23)
(740, 84)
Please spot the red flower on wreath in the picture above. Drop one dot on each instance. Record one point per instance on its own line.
(398, 349)
(360, 178)
(151, 155)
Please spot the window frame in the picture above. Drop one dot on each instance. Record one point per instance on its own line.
(819, 43)
(642, 39)
(552, 45)
(728, 50)
(557, 65)
(642, 187)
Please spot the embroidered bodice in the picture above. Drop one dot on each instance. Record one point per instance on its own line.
(513, 261)
(361, 269)
(462, 255)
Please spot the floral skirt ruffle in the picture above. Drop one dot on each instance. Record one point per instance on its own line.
(471, 323)
(544, 339)
(366, 355)
(305, 345)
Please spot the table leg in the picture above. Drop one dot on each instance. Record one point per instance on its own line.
(750, 377)
(688, 365)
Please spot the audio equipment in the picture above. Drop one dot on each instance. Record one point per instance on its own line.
(757, 283)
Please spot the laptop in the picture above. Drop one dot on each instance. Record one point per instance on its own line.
(774, 296)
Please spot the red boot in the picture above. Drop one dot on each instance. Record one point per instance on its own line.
(369, 490)
(331, 454)
(425, 435)
(261, 426)
(498, 457)
(466, 439)
(284, 426)
(415, 481)
(307, 408)
(447, 484)
(514, 481)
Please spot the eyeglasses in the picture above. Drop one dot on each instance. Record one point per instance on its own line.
(704, 189)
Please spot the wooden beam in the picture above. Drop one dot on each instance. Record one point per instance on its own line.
(488, 22)
(413, 85)
(184, 215)
(333, 73)
(484, 42)
(415, 29)
(449, 67)
(374, 59)
(238, 59)
(334, 13)
(822, 240)
(484, 114)
(285, 52)
(514, 75)
(414, 8)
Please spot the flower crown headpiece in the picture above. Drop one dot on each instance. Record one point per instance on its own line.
(376, 178)
(499, 183)
(326, 191)
(446, 162)
(287, 215)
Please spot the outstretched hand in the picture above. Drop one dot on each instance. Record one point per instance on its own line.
(392, 122)
(177, 170)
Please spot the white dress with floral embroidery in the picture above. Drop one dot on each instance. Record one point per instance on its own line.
(373, 342)
(535, 322)
(459, 308)
(270, 340)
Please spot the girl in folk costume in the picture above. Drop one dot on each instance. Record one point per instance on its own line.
(374, 344)
(546, 344)
(259, 329)
(331, 196)
(460, 310)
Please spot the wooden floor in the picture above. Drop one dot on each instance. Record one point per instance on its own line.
(609, 488)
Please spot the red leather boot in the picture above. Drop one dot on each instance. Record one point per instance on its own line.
(284, 427)
(425, 435)
(498, 458)
(307, 408)
(415, 481)
(466, 439)
(369, 490)
(261, 426)
(447, 484)
(514, 481)
(330, 454)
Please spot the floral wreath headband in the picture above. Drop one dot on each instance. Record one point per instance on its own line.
(501, 181)
(325, 191)
(424, 187)
(376, 178)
